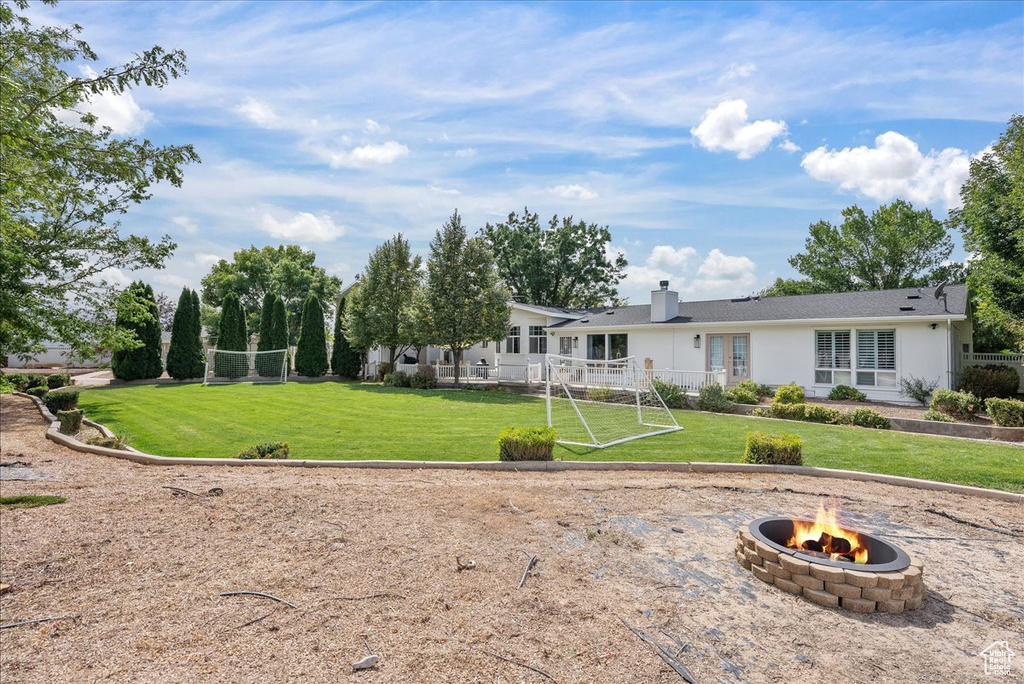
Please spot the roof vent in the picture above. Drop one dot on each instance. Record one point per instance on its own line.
(906, 308)
(740, 299)
(663, 284)
(608, 313)
(916, 296)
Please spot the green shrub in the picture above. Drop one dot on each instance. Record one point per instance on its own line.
(38, 392)
(265, 450)
(816, 413)
(917, 389)
(425, 377)
(17, 380)
(764, 390)
(384, 368)
(397, 379)
(846, 393)
(788, 411)
(119, 442)
(761, 413)
(185, 357)
(61, 400)
(743, 395)
(671, 393)
(789, 394)
(937, 416)
(1006, 412)
(58, 380)
(599, 394)
(783, 449)
(959, 405)
(32, 380)
(137, 315)
(345, 361)
(526, 444)
(712, 398)
(866, 417)
(989, 381)
(70, 421)
(6, 386)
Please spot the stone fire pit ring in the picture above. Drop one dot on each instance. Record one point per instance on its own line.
(893, 585)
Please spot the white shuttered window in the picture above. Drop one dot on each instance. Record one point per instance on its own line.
(876, 358)
(832, 357)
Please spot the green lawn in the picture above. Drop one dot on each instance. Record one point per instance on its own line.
(350, 421)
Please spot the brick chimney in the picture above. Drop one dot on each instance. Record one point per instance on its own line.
(664, 303)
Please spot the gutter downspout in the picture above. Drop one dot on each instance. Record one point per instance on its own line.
(949, 369)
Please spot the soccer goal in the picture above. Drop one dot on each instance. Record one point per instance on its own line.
(603, 403)
(245, 366)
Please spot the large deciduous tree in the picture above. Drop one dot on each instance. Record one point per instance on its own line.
(139, 320)
(311, 352)
(463, 301)
(380, 310)
(287, 270)
(992, 222)
(64, 180)
(185, 356)
(345, 361)
(565, 265)
(896, 246)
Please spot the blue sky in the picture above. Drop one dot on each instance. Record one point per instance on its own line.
(706, 136)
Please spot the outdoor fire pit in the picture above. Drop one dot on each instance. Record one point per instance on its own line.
(830, 565)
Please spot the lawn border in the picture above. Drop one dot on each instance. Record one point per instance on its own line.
(53, 434)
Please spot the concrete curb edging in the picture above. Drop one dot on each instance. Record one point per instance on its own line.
(53, 434)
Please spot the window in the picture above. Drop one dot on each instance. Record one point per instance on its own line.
(606, 347)
(538, 341)
(512, 342)
(565, 346)
(716, 352)
(832, 357)
(876, 358)
(596, 347)
(619, 345)
(483, 345)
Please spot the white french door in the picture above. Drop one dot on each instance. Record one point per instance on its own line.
(730, 353)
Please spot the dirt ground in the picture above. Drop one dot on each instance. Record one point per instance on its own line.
(368, 557)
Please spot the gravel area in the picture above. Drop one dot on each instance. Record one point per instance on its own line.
(368, 557)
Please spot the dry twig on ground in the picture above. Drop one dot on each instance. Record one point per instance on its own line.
(260, 594)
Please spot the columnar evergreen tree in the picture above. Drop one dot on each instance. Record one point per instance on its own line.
(311, 352)
(232, 336)
(197, 326)
(464, 301)
(279, 330)
(266, 366)
(345, 360)
(138, 318)
(185, 357)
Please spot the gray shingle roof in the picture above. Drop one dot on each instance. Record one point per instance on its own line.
(903, 303)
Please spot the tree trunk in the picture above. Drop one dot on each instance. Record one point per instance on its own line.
(392, 352)
(457, 358)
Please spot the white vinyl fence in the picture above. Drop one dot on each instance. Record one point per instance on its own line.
(1015, 361)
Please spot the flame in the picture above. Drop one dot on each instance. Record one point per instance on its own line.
(826, 537)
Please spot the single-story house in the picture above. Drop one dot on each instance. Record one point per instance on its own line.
(868, 340)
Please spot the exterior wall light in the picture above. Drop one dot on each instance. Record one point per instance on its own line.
(575, 342)
(696, 341)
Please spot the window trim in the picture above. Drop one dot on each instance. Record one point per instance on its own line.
(835, 363)
(537, 341)
(513, 342)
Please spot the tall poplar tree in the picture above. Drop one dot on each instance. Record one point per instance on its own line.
(311, 352)
(345, 361)
(185, 357)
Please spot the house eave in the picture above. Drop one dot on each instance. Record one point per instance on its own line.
(825, 322)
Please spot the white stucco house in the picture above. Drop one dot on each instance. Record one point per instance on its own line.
(868, 340)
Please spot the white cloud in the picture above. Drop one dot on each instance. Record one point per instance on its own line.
(206, 259)
(112, 276)
(726, 128)
(258, 112)
(894, 167)
(738, 71)
(119, 112)
(574, 191)
(789, 146)
(664, 256)
(186, 224)
(302, 227)
(171, 280)
(369, 155)
(718, 275)
(465, 152)
(443, 191)
(722, 269)
(371, 127)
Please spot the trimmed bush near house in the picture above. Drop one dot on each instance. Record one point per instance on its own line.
(70, 421)
(119, 442)
(846, 393)
(598, 394)
(265, 450)
(789, 394)
(958, 405)
(671, 393)
(384, 368)
(38, 392)
(917, 389)
(742, 395)
(788, 411)
(425, 377)
(526, 444)
(782, 449)
(821, 414)
(712, 398)
(58, 380)
(1005, 412)
(869, 418)
(937, 416)
(397, 379)
(61, 400)
(989, 381)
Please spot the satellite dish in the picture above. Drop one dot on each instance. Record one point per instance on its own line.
(940, 290)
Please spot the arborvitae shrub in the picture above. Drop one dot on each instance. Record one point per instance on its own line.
(526, 444)
(846, 393)
(783, 449)
(267, 365)
(789, 394)
(279, 330)
(142, 362)
(1005, 412)
(185, 357)
(231, 337)
(38, 392)
(311, 351)
(345, 360)
(61, 400)
(989, 381)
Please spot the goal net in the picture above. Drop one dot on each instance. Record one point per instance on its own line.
(246, 366)
(603, 403)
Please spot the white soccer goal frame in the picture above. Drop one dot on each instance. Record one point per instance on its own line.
(631, 378)
(250, 375)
